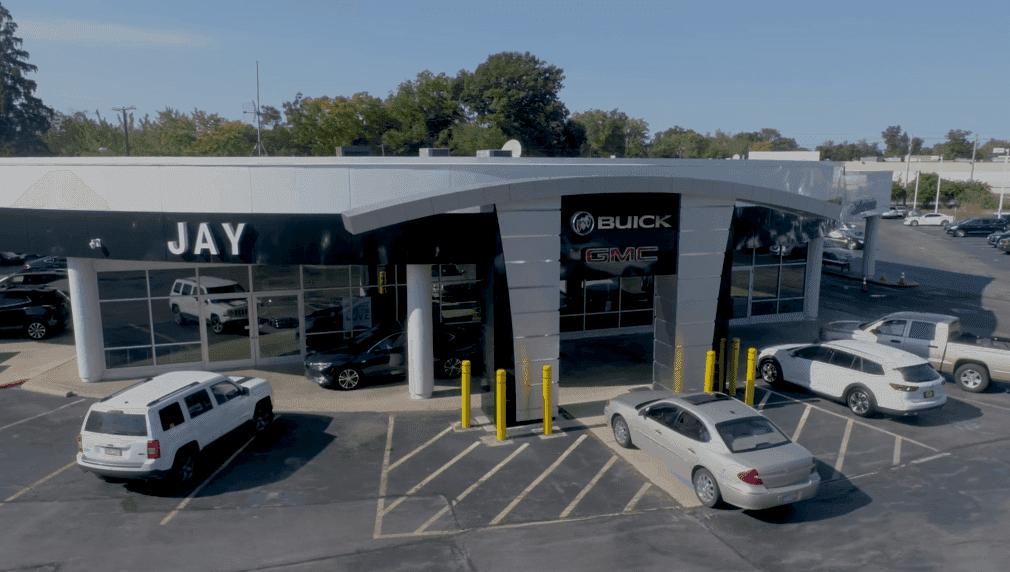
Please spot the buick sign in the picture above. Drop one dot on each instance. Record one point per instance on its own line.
(582, 223)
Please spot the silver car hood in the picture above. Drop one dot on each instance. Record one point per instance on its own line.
(635, 398)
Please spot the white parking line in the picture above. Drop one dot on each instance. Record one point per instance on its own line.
(568, 510)
(917, 461)
(471, 488)
(432, 476)
(844, 447)
(897, 451)
(764, 400)
(382, 481)
(40, 415)
(421, 448)
(38, 482)
(536, 482)
(638, 496)
(196, 491)
(803, 421)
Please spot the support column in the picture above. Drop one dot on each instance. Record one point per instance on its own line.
(812, 288)
(420, 357)
(870, 239)
(87, 318)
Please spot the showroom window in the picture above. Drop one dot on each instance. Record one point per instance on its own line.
(618, 302)
(764, 282)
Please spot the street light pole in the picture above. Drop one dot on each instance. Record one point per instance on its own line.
(126, 132)
(936, 205)
(916, 199)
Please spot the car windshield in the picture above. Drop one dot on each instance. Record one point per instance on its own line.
(750, 434)
(116, 423)
(918, 373)
(226, 289)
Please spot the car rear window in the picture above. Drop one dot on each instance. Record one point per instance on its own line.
(116, 423)
(918, 373)
(750, 434)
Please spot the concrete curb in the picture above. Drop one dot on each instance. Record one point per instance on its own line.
(874, 281)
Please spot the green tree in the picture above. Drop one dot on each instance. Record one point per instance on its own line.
(467, 138)
(423, 112)
(957, 145)
(325, 123)
(23, 117)
(898, 192)
(612, 133)
(845, 151)
(518, 94)
(678, 142)
(895, 141)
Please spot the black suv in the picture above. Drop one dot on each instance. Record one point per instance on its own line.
(976, 225)
(39, 313)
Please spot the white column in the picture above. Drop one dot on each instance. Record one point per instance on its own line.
(87, 319)
(870, 239)
(812, 290)
(420, 357)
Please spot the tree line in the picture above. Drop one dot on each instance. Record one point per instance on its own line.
(511, 95)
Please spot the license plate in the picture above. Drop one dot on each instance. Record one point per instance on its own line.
(928, 394)
(114, 452)
(789, 497)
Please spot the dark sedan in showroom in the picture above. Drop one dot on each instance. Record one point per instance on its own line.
(381, 352)
(37, 313)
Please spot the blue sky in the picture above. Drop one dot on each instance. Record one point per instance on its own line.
(812, 70)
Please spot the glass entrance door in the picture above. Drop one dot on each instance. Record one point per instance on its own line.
(278, 337)
(226, 323)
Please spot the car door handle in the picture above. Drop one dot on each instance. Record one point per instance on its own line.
(691, 450)
(895, 341)
(657, 431)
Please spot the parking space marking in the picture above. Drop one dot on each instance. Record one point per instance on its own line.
(764, 401)
(803, 421)
(197, 490)
(536, 482)
(40, 415)
(379, 512)
(897, 451)
(432, 476)
(472, 488)
(843, 448)
(568, 510)
(638, 496)
(864, 424)
(923, 460)
(421, 448)
(38, 482)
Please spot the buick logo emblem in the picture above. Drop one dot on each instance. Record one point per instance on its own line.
(582, 223)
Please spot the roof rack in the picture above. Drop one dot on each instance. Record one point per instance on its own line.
(167, 395)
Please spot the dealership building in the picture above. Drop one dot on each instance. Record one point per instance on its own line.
(219, 263)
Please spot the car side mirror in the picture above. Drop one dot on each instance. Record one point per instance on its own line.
(245, 391)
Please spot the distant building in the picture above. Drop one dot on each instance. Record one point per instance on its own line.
(784, 155)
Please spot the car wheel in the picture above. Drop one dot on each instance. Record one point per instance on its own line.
(180, 318)
(262, 418)
(959, 233)
(216, 324)
(347, 378)
(621, 432)
(771, 372)
(37, 330)
(915, 223)
(184, 468)
(944, 224)
(453, 367)
(860, 402)
(972, 377)
(706, 487)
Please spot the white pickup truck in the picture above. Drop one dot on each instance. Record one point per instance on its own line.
(158, 427)
(973, 361)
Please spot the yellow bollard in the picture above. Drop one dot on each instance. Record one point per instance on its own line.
(548, 412)
(709, 366)
(678, 370)
(464, 383)
(734, 366)
(499, 395)
(749, 392)
(720, 383)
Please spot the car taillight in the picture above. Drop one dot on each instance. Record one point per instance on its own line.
(901, 387)
(750, 477)
(153, 449)
(80, 445)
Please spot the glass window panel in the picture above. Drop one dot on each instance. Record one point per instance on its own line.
(762, 308)
(182, 353)
(743, 257)
(602, 295)
(571, 323)
(325, 276)
(764, 257)
(766, 282)
(266, 278)
(572, 301)
(601, 321)
(636, 293)
(227, 328)
(792, 281)
(122, 285)
(640, 318)
(126, 324)
(324, 311)
(128, 357)
(359, 276)
(739, 291)
(238, 274)
(739, 307)
(278, 326)
(166, 329)
(790, 306)
(163, 280)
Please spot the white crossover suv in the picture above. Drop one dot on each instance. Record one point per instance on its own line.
(220, 313)
(158, 427)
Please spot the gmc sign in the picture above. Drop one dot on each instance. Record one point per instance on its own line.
(627, 254)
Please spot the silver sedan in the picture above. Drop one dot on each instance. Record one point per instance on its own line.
(726, 450)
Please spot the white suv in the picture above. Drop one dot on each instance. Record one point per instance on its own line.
(158, 427)
(183, 302)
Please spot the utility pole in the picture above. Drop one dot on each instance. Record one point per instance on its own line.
(908, 162)
(256, 107)
(971, 177)
(126, 132)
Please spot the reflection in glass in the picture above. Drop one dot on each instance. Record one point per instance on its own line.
(126, 323)
(180, 353)
(227, 328)
(122, 285)
(162, 280)
(792, 281)
(743, 257)
(266, 278)
(230, 274)
(166, 328)
(278, 326)
(601, 296)
(739, 289)
(636, 293)
(766, 282)
(571, 298)
(326, 276)
(790, 306)
(763, 257)
(128, 357)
